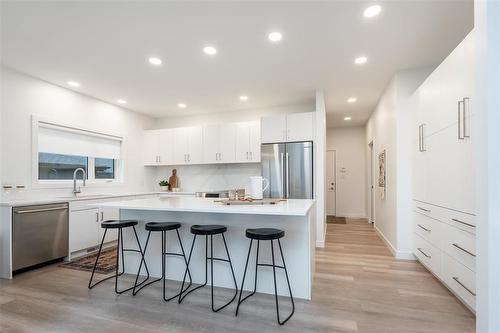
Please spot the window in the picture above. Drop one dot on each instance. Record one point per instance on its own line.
(57, 166)
(60, 150)
(104, 168)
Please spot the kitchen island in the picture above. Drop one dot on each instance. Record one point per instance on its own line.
(295, 216)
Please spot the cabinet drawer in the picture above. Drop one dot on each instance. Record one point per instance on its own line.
(460, 220)
(428, 255)
(424, 208)
(460, 245)
(428, 228)
(460, 279)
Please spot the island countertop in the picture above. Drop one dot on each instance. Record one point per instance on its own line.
(290, 207)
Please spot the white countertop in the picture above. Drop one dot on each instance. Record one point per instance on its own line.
(291, 207)
(61, 199)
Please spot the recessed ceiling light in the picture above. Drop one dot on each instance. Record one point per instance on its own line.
(352, 100)
(155, 61)
(243, 98)
(182, 105)
(360, 60)
(73, 84)
(347, 118)
(275, 36)
(210, 50)
(372, 11)
(121, 101)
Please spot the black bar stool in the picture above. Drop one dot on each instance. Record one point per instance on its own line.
(118, 224)
(266, 234)
(162, 227)
(209, 230)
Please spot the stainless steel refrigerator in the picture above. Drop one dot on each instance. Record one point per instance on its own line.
(289, 169)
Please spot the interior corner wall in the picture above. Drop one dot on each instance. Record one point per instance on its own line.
(349, 145)
(390, 127)
(320, 170)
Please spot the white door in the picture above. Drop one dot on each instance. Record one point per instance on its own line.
(273, 129)
(150, 147)
(195, 144)
(83, 229)
(211, 144)
(254, 141)
(227, 145)
(242, 142)
(166, 146)
(299, 126)
(181, 145)
(106, 214)
(330, 183)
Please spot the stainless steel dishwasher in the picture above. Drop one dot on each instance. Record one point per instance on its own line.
(40, 234)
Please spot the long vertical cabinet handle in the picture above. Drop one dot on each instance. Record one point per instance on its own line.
(422, 139)
(460, 125)
(283, 186)
(465, 103)
(287, 175)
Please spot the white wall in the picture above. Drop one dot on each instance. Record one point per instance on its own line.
(24, 96)
(320, 167)
(349, 144)
(487, 106)
(390, 128)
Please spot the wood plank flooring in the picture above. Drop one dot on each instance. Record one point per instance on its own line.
(358, 287)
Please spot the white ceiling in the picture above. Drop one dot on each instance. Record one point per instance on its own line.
(104, 45)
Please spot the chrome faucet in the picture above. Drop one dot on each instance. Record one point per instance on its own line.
(84, 175)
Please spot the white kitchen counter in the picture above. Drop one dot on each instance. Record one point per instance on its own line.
(291, 207)
(296, 217)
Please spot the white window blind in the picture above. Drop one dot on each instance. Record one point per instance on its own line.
(67, 141)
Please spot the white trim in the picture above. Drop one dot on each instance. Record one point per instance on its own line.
(353, 215)
(320, 243)
(400, 255)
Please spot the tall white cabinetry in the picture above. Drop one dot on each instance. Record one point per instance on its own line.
(293, 127)
(444, 172)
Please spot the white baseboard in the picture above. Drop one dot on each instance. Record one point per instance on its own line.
(400, 255)
(352, 215)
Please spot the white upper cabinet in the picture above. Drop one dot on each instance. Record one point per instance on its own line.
(151, 147)
(166, 151)
(188, 145)
(248, 142)
(288, 128)
(273, 129)
(300, 127)
(219, 143)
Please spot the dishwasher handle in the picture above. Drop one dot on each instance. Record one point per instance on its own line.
(27, 211)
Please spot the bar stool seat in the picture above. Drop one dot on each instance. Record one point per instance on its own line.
(211, 229)
(265, 233)
(116, 224)
(162, 226)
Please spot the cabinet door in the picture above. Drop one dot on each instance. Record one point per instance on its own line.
(254, 141)
(150, 147)
(451, 172)
(106, 214)
(166, 146)
(300, 126)
(227, 143)
(211, 144)
(181, 145)
(273, 129)
(242, 142)
(83, 229)
(195, 145)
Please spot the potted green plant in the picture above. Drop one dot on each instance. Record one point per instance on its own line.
(164, 185)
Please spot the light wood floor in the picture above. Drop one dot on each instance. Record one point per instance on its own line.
(358, 287)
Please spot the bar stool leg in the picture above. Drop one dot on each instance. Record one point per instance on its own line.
(135, 291)
(183, 293)
(244, 275)
(232, 272)
(96, 261)
(275, 287)
(164, 270)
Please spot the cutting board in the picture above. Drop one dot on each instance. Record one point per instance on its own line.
(249, 202)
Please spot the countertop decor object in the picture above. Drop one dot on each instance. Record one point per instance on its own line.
(249, 201)
(164, 185)
(173, 180)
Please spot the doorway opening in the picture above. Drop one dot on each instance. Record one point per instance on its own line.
(372, 184)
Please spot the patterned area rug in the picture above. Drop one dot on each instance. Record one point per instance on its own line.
(106, 264)
(335, 219)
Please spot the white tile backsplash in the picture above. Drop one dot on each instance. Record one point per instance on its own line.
(209, 177)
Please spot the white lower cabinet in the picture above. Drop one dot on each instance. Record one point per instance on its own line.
(447, 247)
(85, 230)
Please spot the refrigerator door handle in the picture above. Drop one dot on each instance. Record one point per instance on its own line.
(287, 175)
(283, 174)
